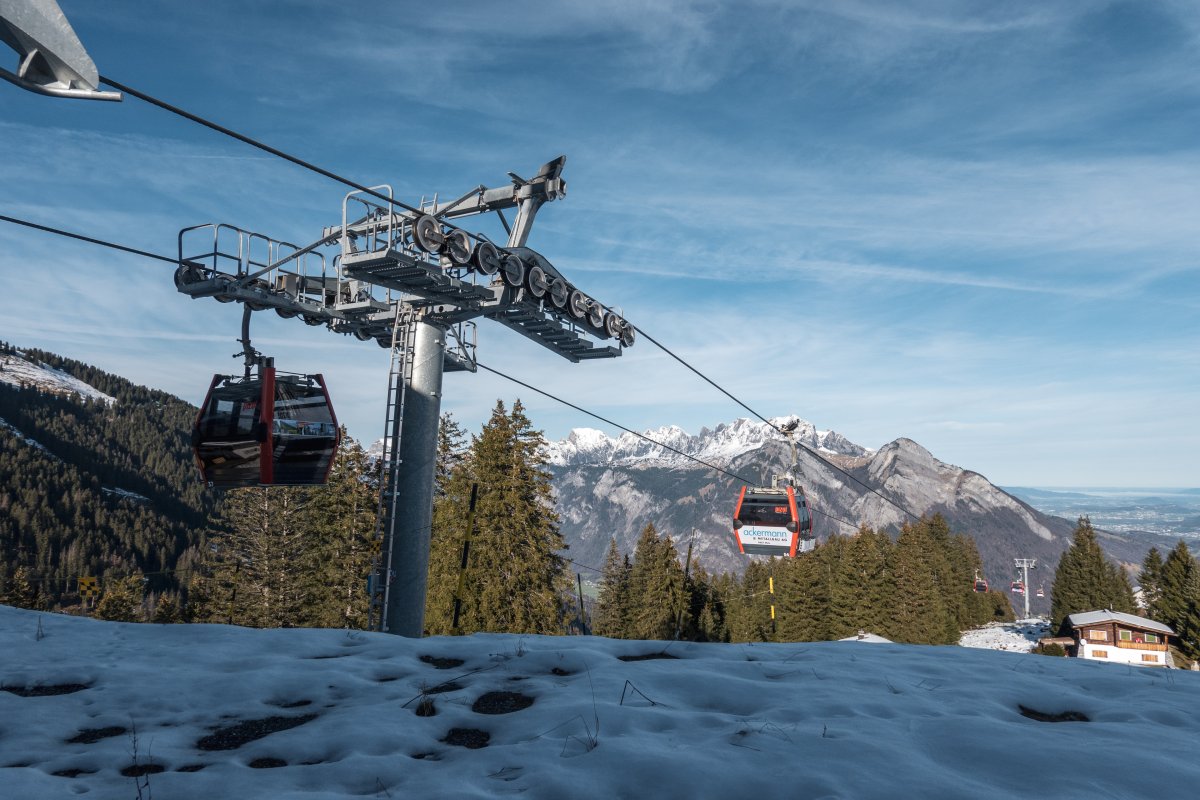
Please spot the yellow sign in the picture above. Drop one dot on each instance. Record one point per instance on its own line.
(89, 586)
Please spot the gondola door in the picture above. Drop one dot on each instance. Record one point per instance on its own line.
(270, 430)
(228, 436)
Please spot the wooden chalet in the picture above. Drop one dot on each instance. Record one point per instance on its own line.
(1113, 636)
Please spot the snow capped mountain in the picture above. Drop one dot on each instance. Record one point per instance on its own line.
(16, 369)
(612, 487)
(722, 444)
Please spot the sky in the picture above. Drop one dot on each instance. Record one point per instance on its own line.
(973, 227)
(853, 719)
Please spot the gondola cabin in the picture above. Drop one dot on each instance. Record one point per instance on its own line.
(773, 522)
(981, 584)
(268, 430)
(1017, 587)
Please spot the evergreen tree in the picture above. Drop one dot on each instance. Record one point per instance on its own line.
(451, 501)
(166, 611)
(1174, 596)
(919, 609)
(612, 615)
(20, 591)
(749, 603)
(1084, 580)
(655, 587)
(1189, 626)
(254, 564)
(122, 600)
(337, 551)
(1150, 579)
(862, 590)
(517, 581)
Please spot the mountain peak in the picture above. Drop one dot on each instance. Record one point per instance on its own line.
(588, 446)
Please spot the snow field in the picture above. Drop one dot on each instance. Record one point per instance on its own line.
(833, 719)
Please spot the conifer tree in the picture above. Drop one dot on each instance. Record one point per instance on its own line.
(612, 615)
(862, 590)
(1084, 580)
(253, 563)
(1189, 626)
(122, 599)
(1150, 579)
(655, 587)
(517, 581)
(749, 603)
(337, 552)
(919, 609)
(1174, 596)
(20, 591)
(451, 501)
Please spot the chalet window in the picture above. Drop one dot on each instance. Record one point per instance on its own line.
(1149, 657)
(1099, 654)
(1098, 635)
(1152, 638)
(1126, 636)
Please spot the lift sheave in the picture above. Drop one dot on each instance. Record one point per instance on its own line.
(273, 429)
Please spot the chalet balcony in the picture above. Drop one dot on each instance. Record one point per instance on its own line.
(1141, 646)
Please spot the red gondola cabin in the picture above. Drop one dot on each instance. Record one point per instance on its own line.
(773, 522)
(270, 430)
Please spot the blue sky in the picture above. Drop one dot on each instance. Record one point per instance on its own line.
(974, 226)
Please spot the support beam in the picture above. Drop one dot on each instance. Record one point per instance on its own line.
(409, 527)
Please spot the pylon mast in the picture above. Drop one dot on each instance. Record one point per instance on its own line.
(413, 282)
(1025, 564)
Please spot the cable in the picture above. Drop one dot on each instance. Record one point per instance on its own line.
(801, 445)
(580, 409)
(713, 467)
(346, 181)
(700, 461)
(268, 149)
(88, 239)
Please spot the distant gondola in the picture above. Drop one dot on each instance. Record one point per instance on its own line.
(981, 584)
(773, 522)
(267, 430)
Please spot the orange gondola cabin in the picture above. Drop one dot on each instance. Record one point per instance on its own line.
(773, 522)
(268, 430)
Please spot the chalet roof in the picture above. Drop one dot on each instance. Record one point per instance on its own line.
(1092, 617)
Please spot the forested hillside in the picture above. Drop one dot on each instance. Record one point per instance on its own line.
(90, 487)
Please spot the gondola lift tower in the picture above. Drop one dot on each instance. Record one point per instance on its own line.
(406, 277)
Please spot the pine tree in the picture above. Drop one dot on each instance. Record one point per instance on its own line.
(337, 551)
(1189, 626)
(516, 581)
(1174, 596)
(655, 587)
(20, 591)
(122, 599)
(612, 615)
(749, 603)
(1150, 579)
(255, 563)
(862, 590)
(1084, 580)
(919, 609)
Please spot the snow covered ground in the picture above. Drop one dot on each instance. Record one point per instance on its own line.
(18, 369)
(1017, 637)
(210, 711)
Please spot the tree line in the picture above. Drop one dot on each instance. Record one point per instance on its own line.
(917, 588)
(1085, 580)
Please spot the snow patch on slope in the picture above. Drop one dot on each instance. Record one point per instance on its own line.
(17, 370)
(5, 425)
